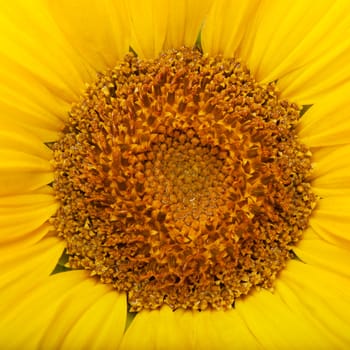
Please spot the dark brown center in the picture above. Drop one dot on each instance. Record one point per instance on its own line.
(182, 181)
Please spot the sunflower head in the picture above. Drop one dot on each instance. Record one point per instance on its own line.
(161, 162)
(181, 181)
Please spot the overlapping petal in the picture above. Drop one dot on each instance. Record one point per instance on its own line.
(23, 217)
(98, 32)
(271, 320)
(326, 123)
(67, 310)
(24, 161)
(321, 297)
(40, 73)
(303, 45)
(185, 21)
(188, 330)
(33, 45)
(158, 25)
(331, 174)
(225, 36)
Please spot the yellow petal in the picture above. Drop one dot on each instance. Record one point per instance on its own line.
(36, 51)
(36, 120)
(148, 20)
(33, 209)
(326, 123)
(271, 322)
(184, 22)
(26, 223)
(38, 260)
(314, 81)
(25, 267)
(222, 330)
(332, 219)
(40, 74)
(333, 163)
(22, 215)
(319, 153)
(172, 330)
(100, 327)
(226, 24)
(294, 299)
(269, 40)
(303, 45)
(13, 137)
(325, 66)
(182, 329)
(23, 238)
(21, 172)
(56, 311)
(324, 255)
(98, 30)
(326, 299)
(333, 234)
(332, 173)
(22, 91)
(98, 323)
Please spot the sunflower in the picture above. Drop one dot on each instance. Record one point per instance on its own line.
(68, 205)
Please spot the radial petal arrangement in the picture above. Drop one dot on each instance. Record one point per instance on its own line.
(137, 183)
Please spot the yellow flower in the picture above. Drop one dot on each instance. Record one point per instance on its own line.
(50, 49)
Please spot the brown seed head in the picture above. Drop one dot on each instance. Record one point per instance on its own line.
(182, 181)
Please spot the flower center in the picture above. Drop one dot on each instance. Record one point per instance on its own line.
(182, 181)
